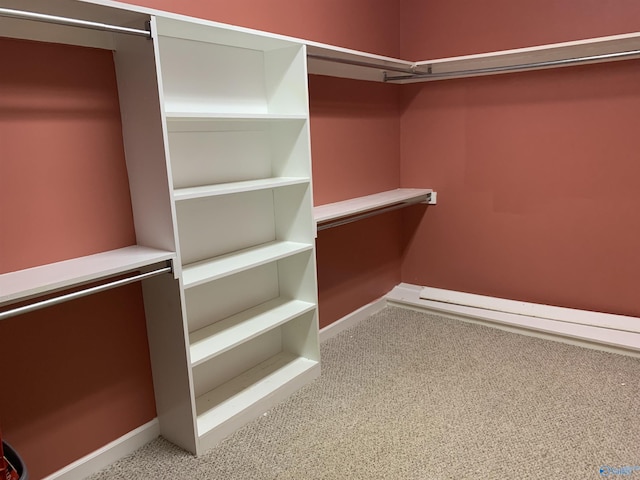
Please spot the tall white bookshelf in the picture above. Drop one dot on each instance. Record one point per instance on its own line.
(235, 110)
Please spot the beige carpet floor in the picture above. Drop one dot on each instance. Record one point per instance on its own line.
(408, 395)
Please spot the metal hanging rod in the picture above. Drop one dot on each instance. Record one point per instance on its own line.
(358, 63)
(41, 17)
(373, 213)
(508, 68)
(82, 293)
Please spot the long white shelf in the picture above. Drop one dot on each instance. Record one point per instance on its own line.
(31, 282)
(221, 336)
(183, 116)
(238, 395)
(593, 50)
(354, 206)
(197, 273)
(236, 187)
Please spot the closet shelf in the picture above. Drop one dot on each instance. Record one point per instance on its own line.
(236, 187)
(328, 214)
(185, 116)
(280, 375)
(197, 273)
(221, 336)
(31, 282)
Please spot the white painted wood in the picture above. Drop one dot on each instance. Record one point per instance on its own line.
(219, 337)
(297, 277)
(49, 32)
(346, 208)
(238, 395)
(236, 187)
(225, 367)
(31, 282)
(542, 53)
(587, 335)
(265, 395)
(211, 78)
(352, 319)
(209, 270)
(293, 213)
(291, 149)
(286, 80)
(199, 30)
(108, 454)
(214, 301)
(210, 115)
(142, 128)
(204, 157)
(562, 314)
(169, 354)
(213, 226)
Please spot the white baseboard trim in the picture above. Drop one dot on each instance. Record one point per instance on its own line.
(352, 319)
(591, 329)
(113, 451)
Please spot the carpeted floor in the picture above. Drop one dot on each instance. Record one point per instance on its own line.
(407, 395)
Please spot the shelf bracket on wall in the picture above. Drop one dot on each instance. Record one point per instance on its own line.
(72, 22)
(84, 292)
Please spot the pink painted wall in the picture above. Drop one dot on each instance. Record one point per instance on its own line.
(366, 25)
(75, 376)
(355, 140)
(438, 29)
(535, 171)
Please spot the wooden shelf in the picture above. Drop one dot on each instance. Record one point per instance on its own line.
(219, 337)
(205, 271)
(237, 396)
(222, 116)
(236, 187)
(355, 206)
(31, 282)
(521, 59)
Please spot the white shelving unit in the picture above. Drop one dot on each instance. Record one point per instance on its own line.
(216, 131)
(236, 113)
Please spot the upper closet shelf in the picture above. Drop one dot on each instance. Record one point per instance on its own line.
(581, 52)
(31, 282)
(236, 187)
(347, 211)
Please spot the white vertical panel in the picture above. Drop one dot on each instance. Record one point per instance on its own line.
(286, 80)
(290, 147)
(293, 213)
(144, 143)
(300, 336)
(297, 277)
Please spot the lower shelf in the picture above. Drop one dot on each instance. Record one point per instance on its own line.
(234, 403)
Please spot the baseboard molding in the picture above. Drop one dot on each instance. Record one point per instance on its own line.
(352, 319)
(99, 459)
(591, 329)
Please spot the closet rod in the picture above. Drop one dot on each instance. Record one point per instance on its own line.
(41, 17)
(373, 213)
(82, 293)
(359, 63)
(508, 68)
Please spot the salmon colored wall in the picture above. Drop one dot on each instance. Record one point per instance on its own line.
(437, 29)
(366, 25)
(536, 172)
(63, 182)
(75, 376)
(355, 140)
